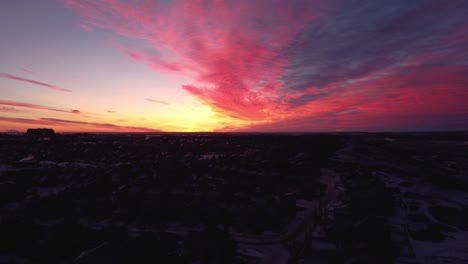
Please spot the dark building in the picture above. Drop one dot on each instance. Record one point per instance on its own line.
(40, 132)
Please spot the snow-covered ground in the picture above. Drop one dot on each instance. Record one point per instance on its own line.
(421, 236)
(416, 198)
(6, 168)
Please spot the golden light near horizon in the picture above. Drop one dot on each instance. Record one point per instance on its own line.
(198, 118)
(241, 65)
(189, 115)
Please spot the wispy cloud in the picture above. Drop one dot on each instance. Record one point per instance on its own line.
(102, 125)
(35, 106)
(28, 71)
(25, 121)
(61, 122)
(9, 109)
(21, 79)
(156, 101)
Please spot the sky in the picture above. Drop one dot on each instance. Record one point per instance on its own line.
(234, 65)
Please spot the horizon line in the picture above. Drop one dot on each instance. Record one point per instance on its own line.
(240, 132)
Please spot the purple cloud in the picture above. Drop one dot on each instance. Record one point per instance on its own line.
(21, 79)
(156, 101)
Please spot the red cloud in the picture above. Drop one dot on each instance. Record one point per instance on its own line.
(418, 98)
(238, 54)
(233, 49)
(17, 78)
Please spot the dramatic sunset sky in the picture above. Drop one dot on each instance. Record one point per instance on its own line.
(234, 65)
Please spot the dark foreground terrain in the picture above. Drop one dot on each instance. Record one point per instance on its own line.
(234, 198)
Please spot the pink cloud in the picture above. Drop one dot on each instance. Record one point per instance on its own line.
(25, 121)
(35, 106)
(73, 124)
(233, 50)
(17, 78)
(9, 109)
(433, 97)
(279, 64)
(100, 125)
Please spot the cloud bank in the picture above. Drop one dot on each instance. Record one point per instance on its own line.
(305, 65)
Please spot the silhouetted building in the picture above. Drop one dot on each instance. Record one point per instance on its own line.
(40, 132)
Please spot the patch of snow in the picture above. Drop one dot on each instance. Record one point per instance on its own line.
(452, 250)
(7, 168)
(47, 163)
(29, 158)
